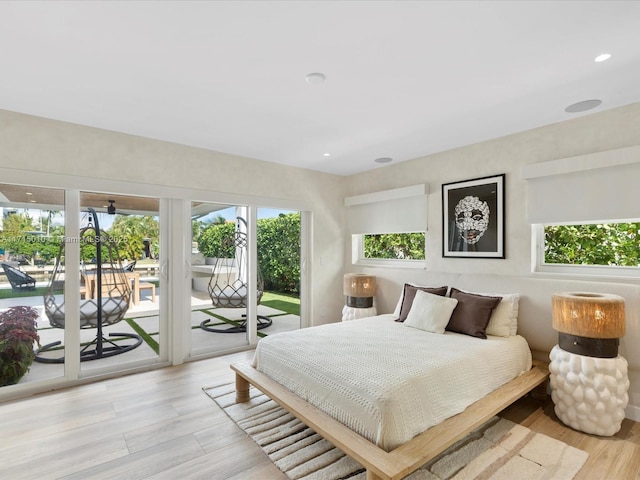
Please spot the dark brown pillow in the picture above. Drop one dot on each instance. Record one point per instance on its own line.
(472, 313)
(410, 293)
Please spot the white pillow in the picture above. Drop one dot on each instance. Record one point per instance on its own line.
(396, 312)
(504, 318)
(430, 312)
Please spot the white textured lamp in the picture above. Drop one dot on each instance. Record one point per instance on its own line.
(589, 380)
(359, 288)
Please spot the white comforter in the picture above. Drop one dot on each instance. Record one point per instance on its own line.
(386, 381)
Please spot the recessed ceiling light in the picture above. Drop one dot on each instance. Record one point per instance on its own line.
(602, 57)
(315, 78)
(383, 160)
(326, 154)
(28, 193)
(583, 106)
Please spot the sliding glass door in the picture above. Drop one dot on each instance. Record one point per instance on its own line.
(220, 265)
(32, 231)
(120, 257)
(120, 281)
(219, 276)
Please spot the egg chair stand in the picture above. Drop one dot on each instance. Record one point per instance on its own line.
(99, 347)
(109, 292)
(228, 283)
(262, 322)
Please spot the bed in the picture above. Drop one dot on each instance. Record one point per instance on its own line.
(392, 394)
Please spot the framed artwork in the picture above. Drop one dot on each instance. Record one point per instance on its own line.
(473, 218)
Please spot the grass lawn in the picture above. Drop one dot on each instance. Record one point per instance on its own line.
(281, 301)
(36, 292)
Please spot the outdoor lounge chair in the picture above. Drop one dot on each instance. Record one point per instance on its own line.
(105, 304)
(130, 266)
(228, 283)
(18, 279)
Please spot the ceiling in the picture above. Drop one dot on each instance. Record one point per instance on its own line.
(403, 79)
(29, 197)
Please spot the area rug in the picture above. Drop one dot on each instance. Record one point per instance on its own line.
(499, 450)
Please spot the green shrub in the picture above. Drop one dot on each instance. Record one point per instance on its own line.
(279, 252)
(214, 241)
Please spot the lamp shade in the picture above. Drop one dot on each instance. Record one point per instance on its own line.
(359, 285)
(591, 315)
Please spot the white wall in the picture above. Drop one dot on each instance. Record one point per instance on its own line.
(608, 130)
(35, 145)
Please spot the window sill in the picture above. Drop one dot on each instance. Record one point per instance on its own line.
(391, 263)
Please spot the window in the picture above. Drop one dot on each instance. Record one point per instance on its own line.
(389, 249)
(388, 227)
(591, 248)
(397, 246)
(592, 231)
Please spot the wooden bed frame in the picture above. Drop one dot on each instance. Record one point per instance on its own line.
(405, 459)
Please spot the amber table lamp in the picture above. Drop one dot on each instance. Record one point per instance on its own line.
(359, 289)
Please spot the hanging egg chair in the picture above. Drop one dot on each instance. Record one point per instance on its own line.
(105, 293)
(228, 285)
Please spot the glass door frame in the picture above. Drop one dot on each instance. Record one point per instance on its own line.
(175, 264)
(184, 311)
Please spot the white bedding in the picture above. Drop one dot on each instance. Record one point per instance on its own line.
(386, 381)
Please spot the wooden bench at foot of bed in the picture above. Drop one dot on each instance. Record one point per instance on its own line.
(400, 462)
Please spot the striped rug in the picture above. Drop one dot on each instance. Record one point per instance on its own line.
(499, 450)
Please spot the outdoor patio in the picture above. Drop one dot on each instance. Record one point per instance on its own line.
(142, 319)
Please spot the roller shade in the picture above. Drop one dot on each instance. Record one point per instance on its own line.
(588, 188)
(391, 211)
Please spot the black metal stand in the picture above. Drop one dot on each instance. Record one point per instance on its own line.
(263, 322)
(88, 353)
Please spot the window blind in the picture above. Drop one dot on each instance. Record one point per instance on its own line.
(398, 210)
(583, 189)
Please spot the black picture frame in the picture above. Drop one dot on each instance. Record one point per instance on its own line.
(473, 218)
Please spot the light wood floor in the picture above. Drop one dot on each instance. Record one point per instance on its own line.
(160, 425)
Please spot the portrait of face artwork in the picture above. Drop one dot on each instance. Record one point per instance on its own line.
(473, 216)
(472, 219)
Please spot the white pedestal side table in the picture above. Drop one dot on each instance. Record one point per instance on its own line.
(353, 313)
(590, 394)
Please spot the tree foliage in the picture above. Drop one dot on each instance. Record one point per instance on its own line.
(130, 232)
(406, 246)
(615, 244)
(278, 243)
(21, 238)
